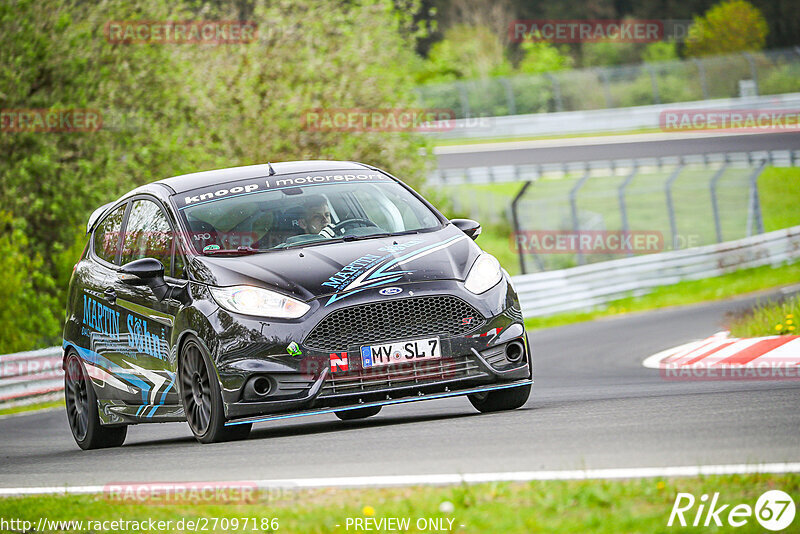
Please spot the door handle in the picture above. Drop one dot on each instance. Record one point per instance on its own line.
(111, 295)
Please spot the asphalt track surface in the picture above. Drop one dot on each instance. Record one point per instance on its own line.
(594, 406)
(614, 147)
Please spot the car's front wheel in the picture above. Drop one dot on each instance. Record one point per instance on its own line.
(358, 413)
(202, 399)
(500, 400)
(84, 419)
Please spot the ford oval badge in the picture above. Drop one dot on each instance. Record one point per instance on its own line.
(391, 290)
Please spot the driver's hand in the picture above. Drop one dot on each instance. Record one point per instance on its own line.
(327, 231)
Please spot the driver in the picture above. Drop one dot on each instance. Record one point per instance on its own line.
(316, 217)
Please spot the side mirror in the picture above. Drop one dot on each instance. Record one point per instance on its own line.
(146, 272)
(468, 226)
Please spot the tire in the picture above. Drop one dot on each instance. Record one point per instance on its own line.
(202, 399)
(358, 413)
(82, 411)
(500, 400)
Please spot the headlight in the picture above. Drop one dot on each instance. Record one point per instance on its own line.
(484, 275)
(258, 301)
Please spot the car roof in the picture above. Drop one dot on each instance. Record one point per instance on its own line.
(187, 182)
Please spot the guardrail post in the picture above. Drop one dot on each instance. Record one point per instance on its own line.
(673, 224)
(622, 208)
(515, 222)
(754, 208)
(573, 203)
(512, 106)
(714, 204)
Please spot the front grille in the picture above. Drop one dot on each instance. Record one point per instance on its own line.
(394, 319)
(400, 375)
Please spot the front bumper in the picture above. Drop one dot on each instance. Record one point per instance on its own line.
(310, 382)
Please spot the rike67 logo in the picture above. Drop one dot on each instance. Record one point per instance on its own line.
(774, 510)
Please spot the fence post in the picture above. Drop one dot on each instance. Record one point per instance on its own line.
(622, 208)
(556, 91)
(701, 71)
(651, 70)
(515, 222)
(462, 93)
(714, 203)
(753, 70)
(673, 224)
(512, 105)
(573, 203)
(754, 208)
(606, 87)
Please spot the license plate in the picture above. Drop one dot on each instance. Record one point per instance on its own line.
(401, 352)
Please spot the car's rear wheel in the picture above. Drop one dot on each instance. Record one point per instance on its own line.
(500, 400)
(82, 414)
(202, 399)
(358, 413)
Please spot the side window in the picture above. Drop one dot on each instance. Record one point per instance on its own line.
(107, 234)
(147, 235)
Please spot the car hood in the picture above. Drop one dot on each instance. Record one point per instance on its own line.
(340, 269)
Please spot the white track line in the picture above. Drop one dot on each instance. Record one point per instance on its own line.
(450, 479)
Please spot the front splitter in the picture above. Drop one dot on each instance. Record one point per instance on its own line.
(422, 397)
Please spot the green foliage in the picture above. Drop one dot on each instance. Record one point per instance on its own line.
(784, 78)
(730, 26)
(542, 57)
(466, 52)
(769, 319)
(29, 313)
(170, 109)
(606, 53)
(660, 51)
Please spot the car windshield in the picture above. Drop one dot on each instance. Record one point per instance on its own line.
(279, 212)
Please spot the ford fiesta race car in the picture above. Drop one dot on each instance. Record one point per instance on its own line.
(230, 297)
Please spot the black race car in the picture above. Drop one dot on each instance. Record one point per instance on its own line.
(235, 296)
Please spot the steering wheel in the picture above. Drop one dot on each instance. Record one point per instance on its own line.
(342, 226)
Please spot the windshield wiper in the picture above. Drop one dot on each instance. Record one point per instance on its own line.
(371, 236)
(232, 251)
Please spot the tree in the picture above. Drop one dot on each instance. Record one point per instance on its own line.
(730, 26)
(170, 109)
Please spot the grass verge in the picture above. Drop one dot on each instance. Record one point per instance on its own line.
(602, 506)
(682, 293)
(772, 318)
(32, 407)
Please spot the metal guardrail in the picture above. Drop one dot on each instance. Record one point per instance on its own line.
(601, 120)
(590, 286)
(534, 171)
(27, 377)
